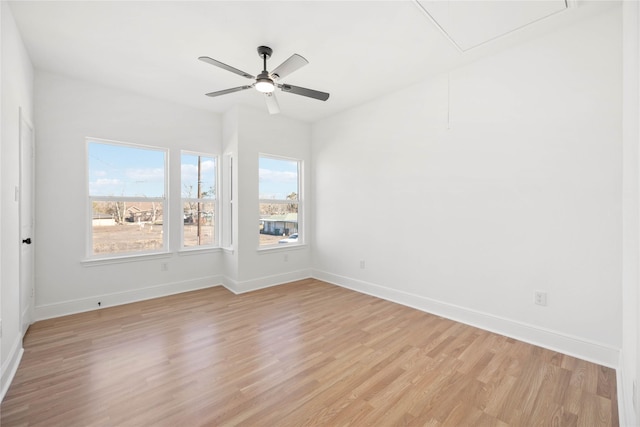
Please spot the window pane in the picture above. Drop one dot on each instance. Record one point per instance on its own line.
(278, 179)
(120, 170)
(199, 223)
(198, 181)
(121, 227)
(278, 223)
(198, 169)
(278, 182)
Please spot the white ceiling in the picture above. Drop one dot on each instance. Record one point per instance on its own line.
(356, 50)
(469, 24)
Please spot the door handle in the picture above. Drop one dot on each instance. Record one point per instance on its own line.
(27, 240)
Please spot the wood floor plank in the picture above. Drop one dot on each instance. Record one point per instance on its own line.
(302, 354)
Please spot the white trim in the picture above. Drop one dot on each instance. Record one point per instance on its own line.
(91, 262)
(241, 287)
(215, 201)
(10, 366)
(26, 307)
(626, 412)
(164, 199)
(574, 346)
(225, 221)
(64, 308)
(281, 247)
(300, 169)
(198, 250)
(629, 363)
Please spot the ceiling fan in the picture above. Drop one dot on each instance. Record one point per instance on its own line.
(266, 82)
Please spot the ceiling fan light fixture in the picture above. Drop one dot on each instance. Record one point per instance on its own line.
(264, 84)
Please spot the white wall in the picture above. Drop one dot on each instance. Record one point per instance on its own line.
(68, 111)
(466, 206)
(258, 133)
(629, 360)
(2, 388)
(17, 95)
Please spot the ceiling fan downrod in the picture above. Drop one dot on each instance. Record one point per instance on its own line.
(265, 53)
(264, 83)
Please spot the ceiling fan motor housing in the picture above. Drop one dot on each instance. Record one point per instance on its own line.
(264, 50)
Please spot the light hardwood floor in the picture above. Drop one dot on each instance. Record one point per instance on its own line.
(301, 354)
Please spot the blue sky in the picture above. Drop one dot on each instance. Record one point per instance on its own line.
(189, 175)
(278, 178)
(117, 170)
(120, 170)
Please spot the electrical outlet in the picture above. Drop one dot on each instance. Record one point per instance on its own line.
(362, 264)
(286, 257)
(540, 298)
(164, 266)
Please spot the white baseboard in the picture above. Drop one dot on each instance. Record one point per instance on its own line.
(10, 366)
(48, 311)
(240, 287)
(566, 344)
(64, 308)
(626, 410)
(25, 319)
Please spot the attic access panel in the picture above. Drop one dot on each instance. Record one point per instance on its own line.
(469, 24)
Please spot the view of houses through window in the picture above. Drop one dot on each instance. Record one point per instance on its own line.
(126, 197)
(279, 200)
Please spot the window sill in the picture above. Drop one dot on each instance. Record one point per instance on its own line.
(199, 251)
(280, 248)
(93, 262)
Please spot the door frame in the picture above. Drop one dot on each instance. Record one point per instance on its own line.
(27, 285)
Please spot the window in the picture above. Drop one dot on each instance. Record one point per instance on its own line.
(198, 177)
(280, 201)
(127, 202)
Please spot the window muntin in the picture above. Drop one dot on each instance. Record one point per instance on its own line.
(279, 201)
(199, 200)
(127, 203)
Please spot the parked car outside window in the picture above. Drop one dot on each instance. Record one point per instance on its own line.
(291, 239)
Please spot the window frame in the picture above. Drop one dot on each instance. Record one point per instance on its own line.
(164, 201)
(226, 200)
(216, 204)
(299, 202)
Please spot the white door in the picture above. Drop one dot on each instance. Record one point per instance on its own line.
(26, 222)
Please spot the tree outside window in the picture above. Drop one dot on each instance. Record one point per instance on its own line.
(199, 202)
(127, 188)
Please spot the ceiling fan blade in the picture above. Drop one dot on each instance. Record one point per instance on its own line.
(225, 67)
(322, 96)
(226, 91)
(272, 103)
(294, 62)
